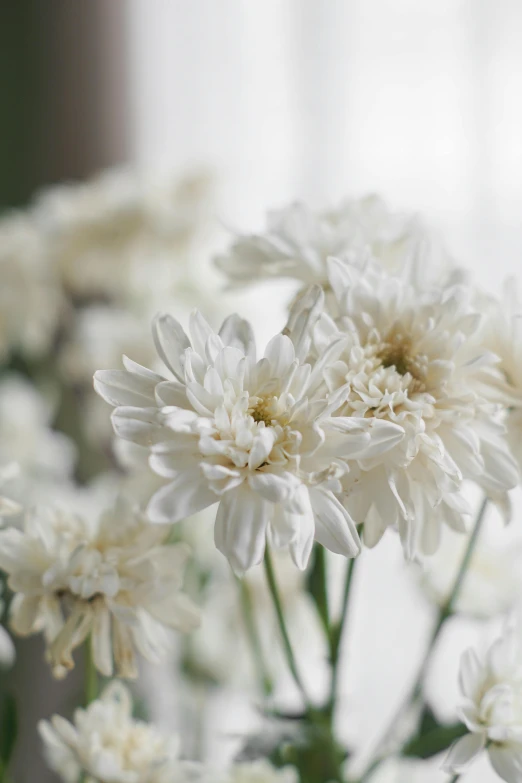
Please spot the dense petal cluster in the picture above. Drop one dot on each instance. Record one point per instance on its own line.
(298, 241)
(410, 358)
(492, 708)
(250, 434)
(107, 745)
(115, 578)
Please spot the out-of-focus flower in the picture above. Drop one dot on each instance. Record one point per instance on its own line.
(502, 334)
(298, 241)
(8, 507)
(493, 583)
(249, 434)
(41, 453)
(7, 650)
(105, 744)
(118, 236)
(114, 578)
(30, 295)
(492, 708)
(410, 358)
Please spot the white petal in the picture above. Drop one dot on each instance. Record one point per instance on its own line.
(119, 387)
(280, 353)
(334, 527)
(241, 525)
(261, 447)
(170, 341)
(463, 752)
(470, 673)
(139, 425)
(7, 650)
(182, 497)
(238, 333)
(200, 331)
(277, 488)
(506, 762)
(101, 641)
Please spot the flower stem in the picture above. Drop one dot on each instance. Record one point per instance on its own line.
(253, 637)
(454, 778)
(445, 611)
(91, 675)
(336, 636)
(274, 591)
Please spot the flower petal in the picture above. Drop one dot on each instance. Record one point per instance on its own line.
(463, 752)
(186, 494)
(334, 527)
(241, 525)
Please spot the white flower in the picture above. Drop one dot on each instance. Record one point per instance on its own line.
(493, 581)
(298, 241)
(262, 772)
(8, 507)
(502, 334)
(41, 453)
(119, 234)
(107, 745)
(410, 357)
(115, 579)
(250, 434)
(30, 295)
(492, 708)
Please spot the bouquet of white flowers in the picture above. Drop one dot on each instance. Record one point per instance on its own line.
(388, 406)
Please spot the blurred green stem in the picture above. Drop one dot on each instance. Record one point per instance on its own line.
(253, 637)
(336, 635)
(91, 675)
(276, 598)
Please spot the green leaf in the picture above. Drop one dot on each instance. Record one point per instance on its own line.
(434, 741)
(316, 586)
(8, 728)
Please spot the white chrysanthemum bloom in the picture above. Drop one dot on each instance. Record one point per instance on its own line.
(492, 708)
(261, 772)
(105, 744)
(8, 507)
(41, 453)
(410, 358)
(116, 235)
(298, 241)
(114, 578)
(502, 334)
(7, 650)
(30, 295)
(247, 433)
(493, 583)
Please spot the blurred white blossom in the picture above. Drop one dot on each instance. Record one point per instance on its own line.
(7, 650)
(122, 236)
(298, 241)
(113, 577)
(491, 708)
(107, 745)
(31, 300)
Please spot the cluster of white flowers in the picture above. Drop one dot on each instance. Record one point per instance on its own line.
(106, 744)
(392, 394)
(114, 578)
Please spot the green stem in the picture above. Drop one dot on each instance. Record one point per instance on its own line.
(454, 778)
(336, 636)
(274, 591)
(253, 637)
(445, 611)
(91, 675)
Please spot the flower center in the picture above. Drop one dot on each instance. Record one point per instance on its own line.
(265, 409)
(396, 351)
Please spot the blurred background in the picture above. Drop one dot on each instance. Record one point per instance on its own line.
(277, 100)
